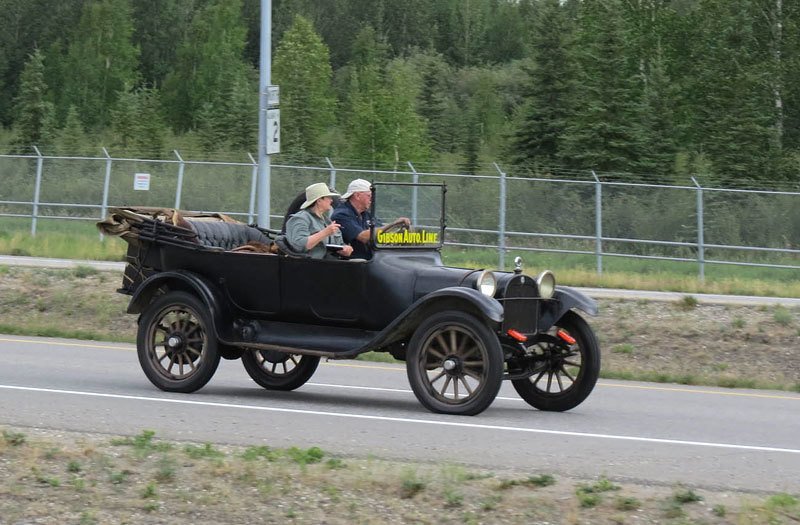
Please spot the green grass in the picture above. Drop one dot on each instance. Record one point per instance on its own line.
(14, 439)
(143, 444)
(411, 484)
(624, 348)
(207, 451)
(782, 316)
(59, 239)
(684, 495)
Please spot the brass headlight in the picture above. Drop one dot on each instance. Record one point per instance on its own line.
(486, 283)
(546, 282)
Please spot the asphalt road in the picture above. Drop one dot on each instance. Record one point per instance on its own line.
(660, 434)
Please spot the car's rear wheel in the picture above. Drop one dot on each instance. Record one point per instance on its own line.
(454, 364)
(566, 371)
(279, 370)
(176, 344)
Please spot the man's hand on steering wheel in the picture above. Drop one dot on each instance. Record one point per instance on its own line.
(399, 225)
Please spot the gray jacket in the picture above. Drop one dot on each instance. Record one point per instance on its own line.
(303, 224)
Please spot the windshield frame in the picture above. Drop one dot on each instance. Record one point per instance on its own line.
(404, 246)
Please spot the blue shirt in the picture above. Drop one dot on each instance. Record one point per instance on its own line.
(351, 224)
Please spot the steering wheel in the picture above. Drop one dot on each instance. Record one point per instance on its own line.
(397, 226)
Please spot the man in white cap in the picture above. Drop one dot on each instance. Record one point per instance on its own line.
(310, 230)
(355, 219)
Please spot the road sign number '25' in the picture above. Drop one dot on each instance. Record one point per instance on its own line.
(273, 131)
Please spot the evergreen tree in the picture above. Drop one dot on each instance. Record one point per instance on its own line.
(137, 125)
(538, 137)
(241, 121)
(468, 21)
(26, 25)
(159, 25)
(472, 144)
(732, 93)
(210, 127)
(151, 129)
(437, 103)
(383, 126)
(302, 70)
(410, 139)
(603, 132)
(658, 127)
(208, 61)
(230, 125)
(124, 119)
(101, 60)
(72, 139)
(790, 78)
(35, 117)
(505, 34)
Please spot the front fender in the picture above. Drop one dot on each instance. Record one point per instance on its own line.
(187, 281)
(564, 300)
(454, 297)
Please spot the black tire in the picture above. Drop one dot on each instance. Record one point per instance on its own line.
(571, 371)
(451, 350)
(176, 345)
(279, 370)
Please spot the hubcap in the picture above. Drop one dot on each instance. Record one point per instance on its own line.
(177, 342)
(454, 364)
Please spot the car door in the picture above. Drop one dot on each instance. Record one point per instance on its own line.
(322, 291)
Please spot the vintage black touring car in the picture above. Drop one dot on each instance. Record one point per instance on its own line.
(208, 287)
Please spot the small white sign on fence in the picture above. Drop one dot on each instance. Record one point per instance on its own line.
(141, 181)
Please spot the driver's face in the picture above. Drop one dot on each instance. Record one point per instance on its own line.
(363, 199)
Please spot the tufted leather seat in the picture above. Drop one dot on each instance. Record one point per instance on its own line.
(226, 235)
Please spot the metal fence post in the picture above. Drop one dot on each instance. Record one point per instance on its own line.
(106, 183)
(501, 234)
(701, 256)
(598, 222)
(414, 193)
(36, 190)
(333, 173)
(253, 185)
(179, 189)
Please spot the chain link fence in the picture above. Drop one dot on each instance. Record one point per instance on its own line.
(588, 216)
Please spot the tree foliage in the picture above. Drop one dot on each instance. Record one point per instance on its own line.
(101, 60)
(208, 60)
(303, 71)
(35, 121)
(665, 87)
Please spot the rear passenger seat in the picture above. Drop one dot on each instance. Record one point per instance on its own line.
(226, 235)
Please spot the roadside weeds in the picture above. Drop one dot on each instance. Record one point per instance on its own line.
(62, 477)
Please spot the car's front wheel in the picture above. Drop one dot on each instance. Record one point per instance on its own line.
(566, 364)
(454, 364)
(278, 370)
(176, 344)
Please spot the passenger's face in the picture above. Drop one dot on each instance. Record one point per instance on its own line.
(324, 204)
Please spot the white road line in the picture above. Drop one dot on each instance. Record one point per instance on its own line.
(390, 390)
(413, 420)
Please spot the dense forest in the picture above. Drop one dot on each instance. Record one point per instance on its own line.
(656, 88)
